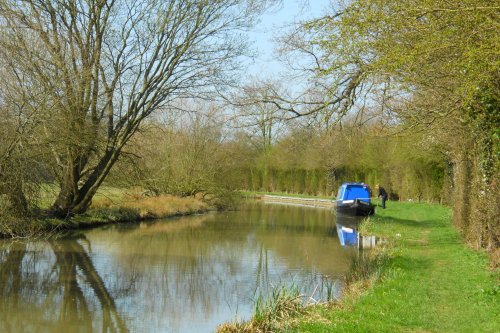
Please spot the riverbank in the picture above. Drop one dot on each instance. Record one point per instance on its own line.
(110, 205)
(429, 281)
(130, 209)
(293, 200)
(257, 194)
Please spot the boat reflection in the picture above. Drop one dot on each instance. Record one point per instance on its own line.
(349, 235)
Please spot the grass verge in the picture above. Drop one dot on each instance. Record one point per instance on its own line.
(431, 281)
(424, 280)
(129, 207)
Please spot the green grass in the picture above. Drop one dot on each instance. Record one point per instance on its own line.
(431, 282)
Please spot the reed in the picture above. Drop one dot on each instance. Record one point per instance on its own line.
(165, 206)
(270, 314)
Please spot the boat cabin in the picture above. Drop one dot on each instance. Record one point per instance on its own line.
(353, 191)
(354, 199)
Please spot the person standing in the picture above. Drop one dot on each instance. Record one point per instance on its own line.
(382, 193)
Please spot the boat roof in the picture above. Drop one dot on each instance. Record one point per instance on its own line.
(354, 184)
(354, 191)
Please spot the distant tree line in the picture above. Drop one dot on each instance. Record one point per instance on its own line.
(318, 164)
(197, 155)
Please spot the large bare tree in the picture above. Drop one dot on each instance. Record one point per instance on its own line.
(106, 65)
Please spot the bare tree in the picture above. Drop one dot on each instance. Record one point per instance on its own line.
(106, 65)
(182, 156)
(263, 122)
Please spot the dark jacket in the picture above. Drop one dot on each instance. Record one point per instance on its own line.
(382, 193)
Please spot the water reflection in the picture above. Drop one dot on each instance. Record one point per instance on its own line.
(186, 275)
(349, 235)
(55, 287)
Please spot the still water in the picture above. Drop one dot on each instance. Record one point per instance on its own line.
(183, 275)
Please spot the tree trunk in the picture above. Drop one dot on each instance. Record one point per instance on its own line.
(74, 199)
(462, 189)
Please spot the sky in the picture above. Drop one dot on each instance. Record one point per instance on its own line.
(265, 64)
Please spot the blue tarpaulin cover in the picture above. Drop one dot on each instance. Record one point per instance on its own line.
(352, 191)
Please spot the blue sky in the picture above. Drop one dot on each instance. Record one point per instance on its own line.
(270, 26)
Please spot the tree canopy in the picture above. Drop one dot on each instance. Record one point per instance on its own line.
(437, 66)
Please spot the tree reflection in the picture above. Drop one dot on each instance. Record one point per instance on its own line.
(10, 270)
(54, 287)
(186, 274)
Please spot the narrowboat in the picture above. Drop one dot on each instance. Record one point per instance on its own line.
(354, 199)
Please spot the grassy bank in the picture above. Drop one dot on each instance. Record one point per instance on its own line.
(429, 282)
(110, 205)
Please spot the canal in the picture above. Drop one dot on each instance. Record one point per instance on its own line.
(180, 275)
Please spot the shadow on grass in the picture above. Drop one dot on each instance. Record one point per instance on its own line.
(405, 223)
(410, 264)
(439, 231)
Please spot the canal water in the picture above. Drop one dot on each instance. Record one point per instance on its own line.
(179, 275)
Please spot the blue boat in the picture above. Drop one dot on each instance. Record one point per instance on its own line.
(354, 199)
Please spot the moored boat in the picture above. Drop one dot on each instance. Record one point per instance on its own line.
(354, 199)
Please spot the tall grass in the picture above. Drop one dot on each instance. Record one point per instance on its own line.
(147, 207)
(165, 206)
(365, 271)
(270, 314)
(135, 208)
(283, 304)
